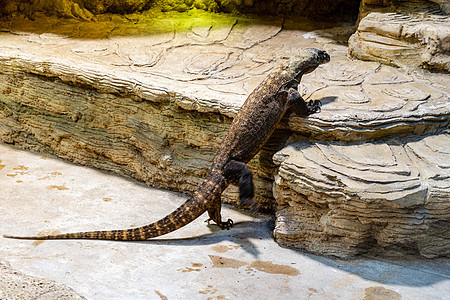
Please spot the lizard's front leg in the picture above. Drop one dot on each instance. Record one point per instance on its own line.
(300, 106)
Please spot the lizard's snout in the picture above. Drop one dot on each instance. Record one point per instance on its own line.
(324, 57)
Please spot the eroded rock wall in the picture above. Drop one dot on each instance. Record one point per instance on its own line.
(346, 199)
(318, 10)
(151, 98)
(154, 141)
(140, 105)
(407, 34)
(373, 175)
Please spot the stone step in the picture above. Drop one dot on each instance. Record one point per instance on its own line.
(409, 34)
(366, 100)
(346, 199)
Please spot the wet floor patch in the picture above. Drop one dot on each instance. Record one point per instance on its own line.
(224, 262)
(381, 293)
(57, 187)
(261, 266)
(20, 170)
(271, 268)
(225, 248)
(194, 268)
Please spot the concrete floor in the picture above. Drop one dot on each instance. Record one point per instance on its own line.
(197, 262)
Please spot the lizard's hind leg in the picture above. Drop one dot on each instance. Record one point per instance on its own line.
(238, 173)
(214, 214)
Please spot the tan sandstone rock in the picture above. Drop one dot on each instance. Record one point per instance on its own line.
(153, 106)
(348, 186)
(345, 199)
(364, 101)
(151, 98)
(408, 34)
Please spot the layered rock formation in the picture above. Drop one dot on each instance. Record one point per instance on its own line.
(367, 101)
(153, 107)
(151, 98)
(408, 34)
(344, 199)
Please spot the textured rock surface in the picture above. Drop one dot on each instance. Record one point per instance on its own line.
(152, 98)
(16, 285)
(154, 107)
(87, 9)
(344, 199)
(407, 34)
(363, 101)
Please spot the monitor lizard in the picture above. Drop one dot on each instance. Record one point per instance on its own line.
(247, 134)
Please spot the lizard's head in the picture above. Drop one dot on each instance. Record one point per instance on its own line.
(307, 60)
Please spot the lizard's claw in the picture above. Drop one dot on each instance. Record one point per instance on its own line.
(226, 225)
(223, 225)
(313, 106)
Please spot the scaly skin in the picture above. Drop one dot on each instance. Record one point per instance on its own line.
(250, 129)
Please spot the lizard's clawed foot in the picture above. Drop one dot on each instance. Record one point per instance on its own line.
(226, 225)
(313, 106)
(223, 225)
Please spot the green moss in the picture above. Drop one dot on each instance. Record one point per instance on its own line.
(156, 21)
(185, 5)
(153, 21)
(90, 9)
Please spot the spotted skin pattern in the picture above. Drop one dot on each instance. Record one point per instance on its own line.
(250, 129)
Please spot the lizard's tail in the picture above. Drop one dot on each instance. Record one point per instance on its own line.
(186, 213)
